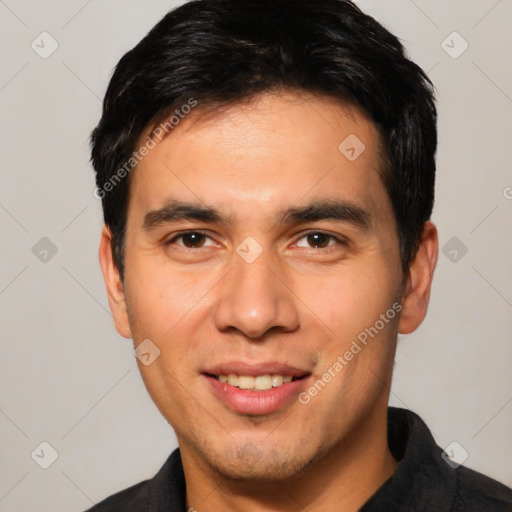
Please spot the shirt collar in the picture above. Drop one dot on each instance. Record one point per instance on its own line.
(421, 476)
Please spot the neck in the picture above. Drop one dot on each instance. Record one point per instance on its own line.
(342, 479)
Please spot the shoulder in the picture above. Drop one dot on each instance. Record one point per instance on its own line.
(134, 499)
(475, 492)
(424, 476)
(165, 491)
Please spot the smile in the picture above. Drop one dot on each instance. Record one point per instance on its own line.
(255, 383)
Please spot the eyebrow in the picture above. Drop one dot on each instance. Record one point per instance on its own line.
(328, 209)
(174, 210)
(324, 209)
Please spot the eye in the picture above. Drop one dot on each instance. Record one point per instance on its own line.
(190, 240)
(310, 240)
(319, 240)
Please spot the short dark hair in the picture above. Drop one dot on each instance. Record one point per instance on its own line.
(219, 52)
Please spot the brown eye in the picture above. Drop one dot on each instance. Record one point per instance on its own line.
(318, 239)
(190, 240)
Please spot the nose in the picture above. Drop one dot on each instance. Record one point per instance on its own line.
(254, 298)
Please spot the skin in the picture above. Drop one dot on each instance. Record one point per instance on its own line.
(297, 303)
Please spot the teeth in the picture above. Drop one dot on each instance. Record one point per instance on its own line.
(259, 383)
(263, 382)
(245, 382)
(277, 380)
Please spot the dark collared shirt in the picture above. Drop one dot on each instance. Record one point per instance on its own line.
(422, 481)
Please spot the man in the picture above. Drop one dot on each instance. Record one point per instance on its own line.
(267, 177)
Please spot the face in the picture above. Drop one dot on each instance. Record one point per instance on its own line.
(262, 260)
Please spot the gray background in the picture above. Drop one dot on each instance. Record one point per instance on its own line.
(68, 379)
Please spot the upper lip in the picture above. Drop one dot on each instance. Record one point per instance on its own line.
(255, 369)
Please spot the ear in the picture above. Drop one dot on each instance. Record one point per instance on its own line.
(418, 284)
(114, 285)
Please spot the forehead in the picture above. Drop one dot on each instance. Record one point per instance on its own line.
(261, 155)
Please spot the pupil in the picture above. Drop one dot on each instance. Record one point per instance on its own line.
(318, 239)
(192, 239)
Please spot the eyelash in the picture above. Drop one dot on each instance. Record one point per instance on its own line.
(340, 241)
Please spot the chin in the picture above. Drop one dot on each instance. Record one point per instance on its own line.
(258, 464)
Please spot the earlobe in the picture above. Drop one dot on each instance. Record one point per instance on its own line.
(419, 282)
(113, 284)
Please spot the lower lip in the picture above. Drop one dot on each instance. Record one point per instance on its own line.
(256, 402)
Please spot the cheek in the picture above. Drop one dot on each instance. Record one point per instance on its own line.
(158, 301)
(347, 300)
(174, 311)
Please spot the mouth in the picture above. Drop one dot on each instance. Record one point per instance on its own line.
(255, 383)
(256, 389)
